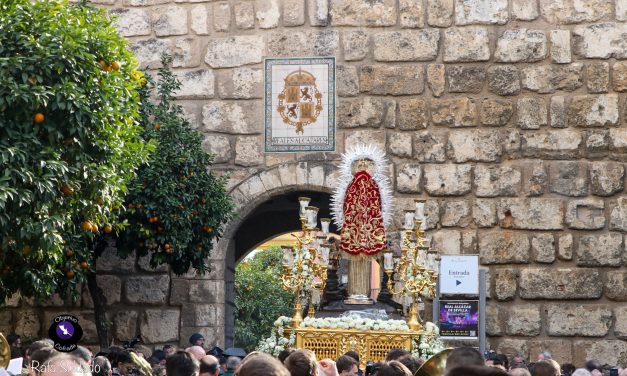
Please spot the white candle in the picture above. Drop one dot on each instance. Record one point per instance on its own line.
(388, 261)
(324, 223)
(304, 202)
(409, 220)
(288, 256)
(324, 254)
(420, 209)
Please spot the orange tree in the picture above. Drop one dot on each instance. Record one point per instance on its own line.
(69, 141)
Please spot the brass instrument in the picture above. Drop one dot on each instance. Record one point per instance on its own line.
(5, 352)
(435, 366)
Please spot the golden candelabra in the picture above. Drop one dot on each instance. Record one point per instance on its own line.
(305, 265)
(416, 270)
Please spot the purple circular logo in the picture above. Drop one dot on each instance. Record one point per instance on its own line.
(65, 330)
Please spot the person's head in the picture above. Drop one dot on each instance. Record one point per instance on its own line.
(464, 356)
(301, 363)
(222, 361)
(209, 366)
(475, 370)
(353, 354)
(66, 365)
(518, 362)
(394, 354)
(168, 350)
(581, 372)
(262, 365)
(544, 368)
(519, 372)
(347, 366)
(556, 365)
(393, 368)
(40, 358)
(412, 363)
(568, 369)
(592, 365)
(14, 340)
(181, 363)
(158, 356)
(83, 353)
(124, 363)
(197, 339)
(197, 351)
(545, 355)
(232, 362)
(284, 354)
(101, 366)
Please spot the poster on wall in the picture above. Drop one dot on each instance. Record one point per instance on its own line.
(299, 96)
(459, 319)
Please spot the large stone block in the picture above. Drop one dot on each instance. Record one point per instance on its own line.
(318, 12)
(447, 242)
(493, 323)
(447, 180)
(430, 147)
(565, 247)
(248, 150)
(362, 13)
(505, 284)
(347, 81)
(503, 80)
(578, 320)
(436, 79)
(366, 112)
(484, 213)
(618, 217)
(474, 145)
(531, 213)
(111, 287)
(28, 323)
(240, 83)
(440, 13)
(413, 114)
(170, 20)
(160, 325)
(293, 12)
(597, 142)
(464, 44)
(147, 290)
(411, 14)
(620, 328)
(524, 320)
(356, 44)
(616, 285)
(598, 74)
(543, 247)
(232, 117)
(618, 138)
(503, 247)
(561, 349)
(586, 214)
(600, 250)
(593, 110)
(512, 347)
(619, 75)
(149, 52)
(132, 22)
(569, 178)
(408, 178)
(125, 325)
(537, 179)
(525, 10)
(521, 45)
(532, 113)
(557, 109)
(573, 11)
(560, 283)
(304, 43)
(244, 12)
(198, 84)
(496, 112)
(268, 13)
(560, 46)
(456, 112)
(455, 214)
(603, 351)
(602, 41)
(391, 80)
(480, 12)
(199, 19)
(230, 52)
(186, 53)
(406, 45)
(549, 78)
(355, 137)
(205, 291)
(219, 146)
(556, 144)
(400, 145)
(109, 261)
(465, 79)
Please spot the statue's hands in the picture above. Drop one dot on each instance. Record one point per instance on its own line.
(326, 367)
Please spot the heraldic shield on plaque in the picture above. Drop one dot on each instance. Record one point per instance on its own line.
(300, 104)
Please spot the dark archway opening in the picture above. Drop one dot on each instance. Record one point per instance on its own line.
(273, 217)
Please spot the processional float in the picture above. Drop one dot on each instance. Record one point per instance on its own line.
(362, 209)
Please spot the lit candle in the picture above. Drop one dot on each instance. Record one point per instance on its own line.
(304, 202)
(324, 223)
(312, 216)
(409, 220)
(388, 261)
(288, 255)
(420, 209)
(324, 254)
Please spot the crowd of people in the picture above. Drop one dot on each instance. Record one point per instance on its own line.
(41, 359)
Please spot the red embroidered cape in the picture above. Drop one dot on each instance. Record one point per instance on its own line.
(363, 231)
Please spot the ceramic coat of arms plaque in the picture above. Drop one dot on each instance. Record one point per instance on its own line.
(300, 104)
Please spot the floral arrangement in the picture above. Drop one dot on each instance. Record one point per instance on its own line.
(354, 323)
(277, 341)
(429, 343)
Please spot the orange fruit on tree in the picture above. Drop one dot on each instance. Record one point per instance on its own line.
(38, 118)
(69, 253)
(94, 227)
(138, 206)
(107, 228)
(67, 190)
(84, 265)
(157, 126)
(116, 65)
(69, 273)
(103, 65)
(166, 246)
(26, 250)
(86, 226)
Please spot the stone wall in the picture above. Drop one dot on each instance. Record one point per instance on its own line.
(508, 115)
